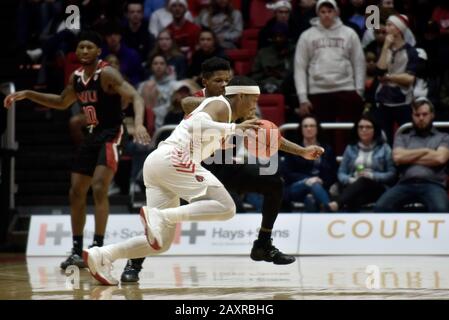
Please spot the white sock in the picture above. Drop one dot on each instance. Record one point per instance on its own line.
(136, 247)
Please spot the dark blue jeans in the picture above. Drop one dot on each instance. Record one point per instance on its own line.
(299, 190)
(434, 197)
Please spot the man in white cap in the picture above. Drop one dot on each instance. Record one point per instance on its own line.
(396, 69)
(282, 10)
(329, 68)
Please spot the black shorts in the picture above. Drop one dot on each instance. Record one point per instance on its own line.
(99, 148)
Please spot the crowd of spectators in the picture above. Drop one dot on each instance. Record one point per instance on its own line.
(319, 55)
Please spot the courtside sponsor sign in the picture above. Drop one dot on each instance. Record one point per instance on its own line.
(396, 233)
(51, 235)
(332, 234)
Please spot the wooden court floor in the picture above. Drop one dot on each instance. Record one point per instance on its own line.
(235, 277)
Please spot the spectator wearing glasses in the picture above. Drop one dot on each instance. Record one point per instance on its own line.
(366, 169)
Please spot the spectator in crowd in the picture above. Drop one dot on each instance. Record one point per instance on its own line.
(175, 114)
(356, 16)
(196, 6)
(181, 89)
(225, 21)
(397, 69)
(282, 10)
(162, 17)
(329, 67)
(272, 64)
(130, 63)
(421, 156)
(369, 34)
(366, 168)
(308, 181)
(184, 32)
(177, 62)
(301, 15)
(371, 81)
(329, 70)
(208, 47)
(135, 33)
(377, 42)
(150, 6)
(157, 91)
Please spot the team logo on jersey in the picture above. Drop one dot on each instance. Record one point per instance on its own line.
(199, 178)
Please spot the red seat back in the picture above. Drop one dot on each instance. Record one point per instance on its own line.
(259, 14)
(243, 60)
(250, 39)
(272, 107)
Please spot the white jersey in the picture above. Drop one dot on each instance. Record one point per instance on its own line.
(186, 135)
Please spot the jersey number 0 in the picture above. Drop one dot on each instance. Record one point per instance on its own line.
(91, 115)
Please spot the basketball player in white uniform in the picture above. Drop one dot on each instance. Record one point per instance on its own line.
(174, 171)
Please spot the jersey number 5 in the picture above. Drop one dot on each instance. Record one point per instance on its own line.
(91, 115)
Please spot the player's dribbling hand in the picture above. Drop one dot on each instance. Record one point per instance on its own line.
(16, 96)
(312, 152)
(141, 135)
(248, 124)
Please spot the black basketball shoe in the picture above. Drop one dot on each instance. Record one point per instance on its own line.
(265, 251)
(73, 260)
(132, 270)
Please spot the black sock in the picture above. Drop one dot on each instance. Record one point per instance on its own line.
(77, 244)
(264, 236)
(98, 241)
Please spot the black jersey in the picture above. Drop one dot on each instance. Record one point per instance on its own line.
(102, 110)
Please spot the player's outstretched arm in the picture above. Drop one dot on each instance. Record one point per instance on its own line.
(309, 153)
(112, 80)
(53, 101)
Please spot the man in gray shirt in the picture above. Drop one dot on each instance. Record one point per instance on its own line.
(421, 155)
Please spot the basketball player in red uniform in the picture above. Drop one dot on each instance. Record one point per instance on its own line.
(98, 88)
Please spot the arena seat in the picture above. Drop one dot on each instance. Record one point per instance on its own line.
(250, 39)
(259, 14)
(272, 107)
(71, 63)
(242, 58)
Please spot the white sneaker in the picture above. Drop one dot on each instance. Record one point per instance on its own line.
(153, 223)
(99, 266)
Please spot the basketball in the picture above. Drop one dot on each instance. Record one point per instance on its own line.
(265, 142)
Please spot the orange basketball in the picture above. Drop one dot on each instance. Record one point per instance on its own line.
(265, 141)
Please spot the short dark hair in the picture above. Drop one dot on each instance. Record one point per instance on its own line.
(418, 102)
(320, 134)
(213, 64)
(92, 36)
(133, 2)
(378, 138)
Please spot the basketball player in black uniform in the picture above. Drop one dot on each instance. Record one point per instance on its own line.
(239, 178)
(98, 88)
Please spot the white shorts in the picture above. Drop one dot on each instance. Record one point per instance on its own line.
(168, 172)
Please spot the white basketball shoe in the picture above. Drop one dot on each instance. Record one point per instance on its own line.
(99, 266)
